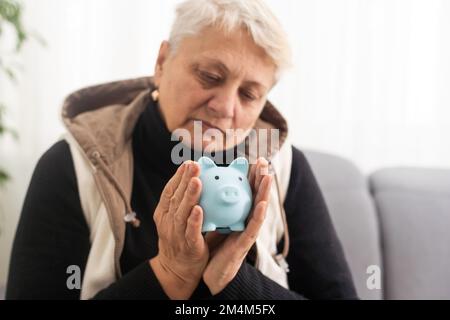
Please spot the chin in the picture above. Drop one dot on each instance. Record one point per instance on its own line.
(206, 139)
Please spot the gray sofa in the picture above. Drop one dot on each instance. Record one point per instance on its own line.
(397, 219)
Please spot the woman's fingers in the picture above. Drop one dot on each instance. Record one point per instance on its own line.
(190, 198)
(257, 217)
(182, 185)
(169, 189)
(257, 171)
(248, 237)
(263, 192)
(261, 171)
(193, 233)
(181, 196)
(227, 257)
(237, 245)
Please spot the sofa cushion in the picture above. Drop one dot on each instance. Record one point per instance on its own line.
(414, 213)
(352, 211)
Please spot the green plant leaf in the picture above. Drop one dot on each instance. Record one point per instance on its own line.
(10, 73)
(4, 177)
(11, 12)
(11, 15)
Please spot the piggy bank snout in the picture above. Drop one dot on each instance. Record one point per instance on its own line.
(229, 194)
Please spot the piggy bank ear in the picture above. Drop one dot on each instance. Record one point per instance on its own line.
(241, 164)
(206, 163)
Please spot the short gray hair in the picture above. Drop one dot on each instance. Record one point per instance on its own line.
(265, 29)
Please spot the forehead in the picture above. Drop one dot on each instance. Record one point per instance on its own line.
(235, 53)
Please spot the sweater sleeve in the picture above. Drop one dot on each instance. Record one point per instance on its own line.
(250, 284)
(318, 269)
(52, 235)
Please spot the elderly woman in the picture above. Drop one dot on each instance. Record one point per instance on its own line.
(110, 214)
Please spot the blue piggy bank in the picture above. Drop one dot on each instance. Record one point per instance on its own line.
(226, 197)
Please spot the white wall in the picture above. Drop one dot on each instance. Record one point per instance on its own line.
(370, 81)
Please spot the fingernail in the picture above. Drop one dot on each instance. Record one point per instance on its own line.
(193, 167)
(196, 214)
(264, 171)
(263, 161)
(188, 167)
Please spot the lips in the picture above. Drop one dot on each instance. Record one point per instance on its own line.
(208, 125)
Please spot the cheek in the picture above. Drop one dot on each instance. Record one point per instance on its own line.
(186, 104)
(176, 101)
(192, 98)
(246, 117)
(193, 101)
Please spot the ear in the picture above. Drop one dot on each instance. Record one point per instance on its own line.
(163, 55)
(241, 164)
(206, 163)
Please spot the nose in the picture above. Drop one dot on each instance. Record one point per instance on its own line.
(229, 194)
(223, 103)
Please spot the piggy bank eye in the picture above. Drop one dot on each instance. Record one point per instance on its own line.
(240, 178)
(216, 177)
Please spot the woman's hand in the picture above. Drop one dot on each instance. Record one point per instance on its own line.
(183, 253)
(228, 252)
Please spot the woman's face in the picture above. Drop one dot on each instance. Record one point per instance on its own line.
(220, 80)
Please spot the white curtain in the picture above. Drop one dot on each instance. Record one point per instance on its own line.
(370, 82)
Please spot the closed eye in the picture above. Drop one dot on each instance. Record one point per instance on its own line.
(247, 95)
(209, 78)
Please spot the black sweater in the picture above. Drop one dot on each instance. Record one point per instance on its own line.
(52, 233)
